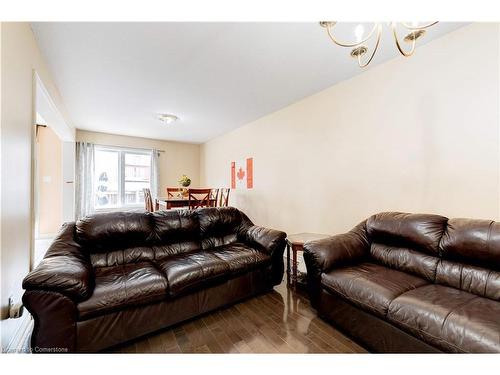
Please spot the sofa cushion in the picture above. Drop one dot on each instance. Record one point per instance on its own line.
(187, 272)
(407, 260)
(240, 257)
(220, 226)
(421, 232)
(122, 256)
(370, 286)
(471, 279)
(123, 286)
(448, 318)
(114, 230)
(176, 232)
(475, 242)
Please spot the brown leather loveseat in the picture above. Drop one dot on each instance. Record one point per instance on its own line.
(112, 277)
(411, 283)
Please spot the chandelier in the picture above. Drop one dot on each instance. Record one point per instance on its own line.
(360, 50)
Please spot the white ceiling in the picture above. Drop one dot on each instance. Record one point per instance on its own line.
(115, 77)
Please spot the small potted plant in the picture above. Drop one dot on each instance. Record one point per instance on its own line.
(184, 182)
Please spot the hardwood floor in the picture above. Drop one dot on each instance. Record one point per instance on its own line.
(281, 321)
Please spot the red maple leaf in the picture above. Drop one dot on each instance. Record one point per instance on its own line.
(240, 174)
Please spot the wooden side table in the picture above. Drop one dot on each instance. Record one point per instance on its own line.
(295, 242)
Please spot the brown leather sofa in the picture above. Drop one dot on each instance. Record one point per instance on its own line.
(402, 282)
(112, 277)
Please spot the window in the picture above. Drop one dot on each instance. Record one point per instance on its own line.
(120, 176)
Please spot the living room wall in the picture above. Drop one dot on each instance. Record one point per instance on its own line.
(20, 58)
(417, 134)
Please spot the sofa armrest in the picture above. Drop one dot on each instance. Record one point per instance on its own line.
(55, 317)
(65, 269)
(269, 240)
(323, 255)
(272, 242)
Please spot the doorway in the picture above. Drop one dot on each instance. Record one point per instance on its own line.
(53, 172)
(49, 184)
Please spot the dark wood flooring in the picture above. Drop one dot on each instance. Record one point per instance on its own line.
(281, 321)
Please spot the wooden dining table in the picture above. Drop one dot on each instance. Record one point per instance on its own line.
(167, 203)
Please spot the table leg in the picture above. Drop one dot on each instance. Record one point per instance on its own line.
(288, 264)
(294, 267)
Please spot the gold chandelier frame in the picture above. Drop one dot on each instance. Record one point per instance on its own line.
(359, 49)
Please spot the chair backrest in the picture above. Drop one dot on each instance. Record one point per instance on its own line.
(198, 198)
(223, 199)
(214, 197)
(171, 191)
(148, 201)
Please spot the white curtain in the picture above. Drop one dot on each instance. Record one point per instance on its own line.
(84, 188)
(155, 174)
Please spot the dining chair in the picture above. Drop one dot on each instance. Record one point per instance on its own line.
(148, 201)
(223, 200)
(198, 198)
(214, 197)
(172, 190)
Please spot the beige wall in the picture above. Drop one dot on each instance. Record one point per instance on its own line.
(20, 57)
(178, 158)
(417, 134)
(49, 181)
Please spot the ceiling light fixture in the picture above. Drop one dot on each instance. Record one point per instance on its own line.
(359, 49)
(168, 118)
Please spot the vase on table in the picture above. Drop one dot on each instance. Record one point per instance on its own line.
(184, 183)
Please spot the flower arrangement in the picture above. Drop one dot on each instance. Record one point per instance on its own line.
(184, 181)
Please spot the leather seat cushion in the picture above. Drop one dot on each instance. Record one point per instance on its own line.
(187, 272)
(448, 318)
(370, 286)
(122, 286)
(240, 257)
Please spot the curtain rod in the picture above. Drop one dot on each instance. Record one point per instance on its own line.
(131, 148)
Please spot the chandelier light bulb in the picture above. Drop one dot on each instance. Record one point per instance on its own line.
(358, 32)
(359, 51)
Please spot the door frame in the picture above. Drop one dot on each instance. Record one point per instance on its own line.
(46, 108)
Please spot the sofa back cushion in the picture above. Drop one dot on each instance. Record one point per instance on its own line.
(220, 226)
(176, 232)
(405, 259)
(127, 255)
(470, 251)
(407, 242)
(475, 242)
(472, 279)
(420, 232)
(114, 231)
(129, 237)
(460, 253)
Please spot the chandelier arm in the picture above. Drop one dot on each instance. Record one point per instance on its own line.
(342, 44)
(400, 48)
(379, 34)
(418, 27)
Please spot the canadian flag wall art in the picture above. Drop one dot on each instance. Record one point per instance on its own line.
(242, 174)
